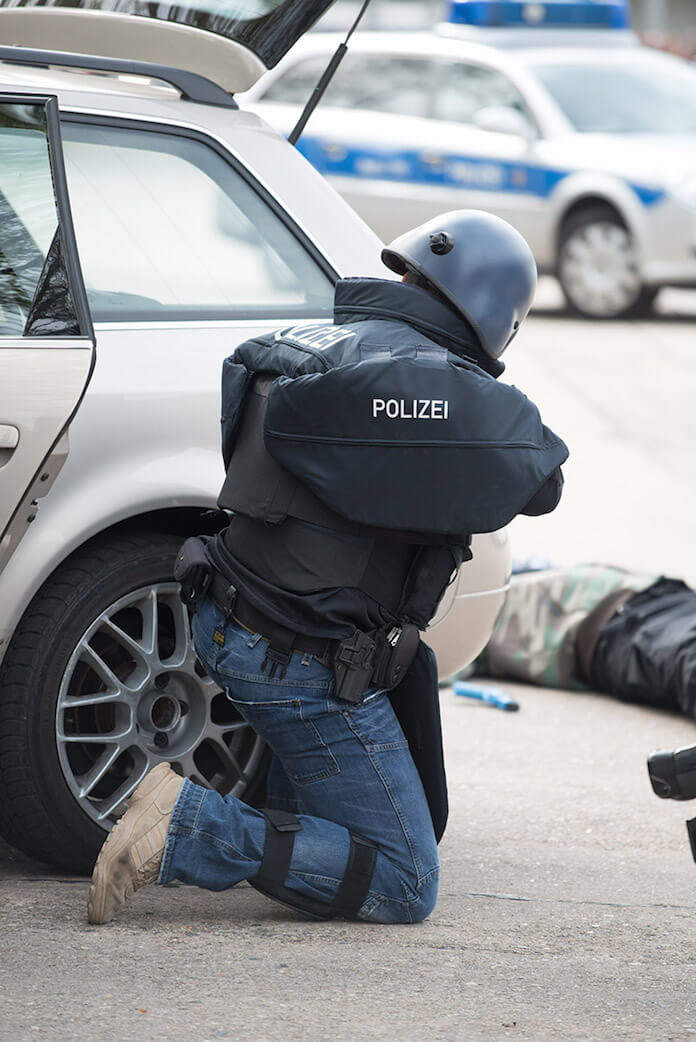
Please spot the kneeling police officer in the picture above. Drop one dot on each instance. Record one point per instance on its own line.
(361, 456)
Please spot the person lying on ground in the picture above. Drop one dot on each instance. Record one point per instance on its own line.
(598, 627)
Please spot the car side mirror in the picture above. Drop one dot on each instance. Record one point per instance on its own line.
(503, 120)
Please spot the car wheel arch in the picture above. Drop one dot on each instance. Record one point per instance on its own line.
(588, 201)
(184, 520)
(587, 188)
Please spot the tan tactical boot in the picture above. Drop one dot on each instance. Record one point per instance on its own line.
(132, 854)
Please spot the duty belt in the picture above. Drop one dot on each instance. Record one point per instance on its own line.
(379, 659)
(235, 605)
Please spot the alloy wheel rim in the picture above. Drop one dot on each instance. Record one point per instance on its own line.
(599, 269)
(134, 694)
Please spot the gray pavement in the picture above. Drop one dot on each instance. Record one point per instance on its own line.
(568, 891)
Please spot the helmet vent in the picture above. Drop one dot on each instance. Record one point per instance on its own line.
(441, 242)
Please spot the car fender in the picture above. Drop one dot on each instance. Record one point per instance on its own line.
(594, 186)
(77, 511)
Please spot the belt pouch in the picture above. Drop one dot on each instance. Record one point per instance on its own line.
(193, 570)
(396, 650)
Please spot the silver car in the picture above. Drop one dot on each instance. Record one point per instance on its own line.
(194, 226)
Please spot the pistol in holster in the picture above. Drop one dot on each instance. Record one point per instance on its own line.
(379, 659)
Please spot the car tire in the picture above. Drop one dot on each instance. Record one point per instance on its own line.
(99, 683)
(598, 266)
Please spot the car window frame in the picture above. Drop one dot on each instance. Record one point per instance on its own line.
(445, 60)
(65, 225)
(102, 119)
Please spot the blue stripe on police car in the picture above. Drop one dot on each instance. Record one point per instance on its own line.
(474, 173)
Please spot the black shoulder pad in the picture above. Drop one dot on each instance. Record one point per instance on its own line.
(277, 353)
(272, 354)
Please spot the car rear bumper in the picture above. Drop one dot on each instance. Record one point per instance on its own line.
(465, 620)
(465, 630)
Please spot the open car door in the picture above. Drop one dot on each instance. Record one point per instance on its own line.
(47, 346)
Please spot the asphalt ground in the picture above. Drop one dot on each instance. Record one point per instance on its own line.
(568, 890)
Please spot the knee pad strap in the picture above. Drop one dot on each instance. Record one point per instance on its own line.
(357, 877)
(281, 827)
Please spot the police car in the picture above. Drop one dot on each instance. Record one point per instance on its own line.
(551, 115)
(148, 227)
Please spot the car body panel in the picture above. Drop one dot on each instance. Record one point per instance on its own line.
(464, 622)
(54, 378)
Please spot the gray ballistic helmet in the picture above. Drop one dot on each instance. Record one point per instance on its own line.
(480, 263)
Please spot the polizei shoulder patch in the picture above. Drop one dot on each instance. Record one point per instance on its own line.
(411, 408)
(314, 336)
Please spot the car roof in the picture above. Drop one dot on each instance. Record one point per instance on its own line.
(435, 44)
(424, 41)
(426, 44)
(608, 56)
(102, 91)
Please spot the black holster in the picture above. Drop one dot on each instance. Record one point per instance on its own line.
(379, 659)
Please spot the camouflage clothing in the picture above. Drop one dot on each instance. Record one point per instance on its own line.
(536, 632)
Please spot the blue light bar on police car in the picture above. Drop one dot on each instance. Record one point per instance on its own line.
(587, 14)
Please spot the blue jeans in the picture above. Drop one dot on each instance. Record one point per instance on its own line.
(343, 768)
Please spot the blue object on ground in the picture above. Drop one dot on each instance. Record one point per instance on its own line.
(535, 563)
(492, 696)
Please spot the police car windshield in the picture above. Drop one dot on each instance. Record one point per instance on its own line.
(655, 95)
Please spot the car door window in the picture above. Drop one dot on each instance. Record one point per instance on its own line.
(465, 90)
(35, 298)
(168, 229)
(382, 83)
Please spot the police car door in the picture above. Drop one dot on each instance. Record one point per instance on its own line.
(482, 148)
(47, 345)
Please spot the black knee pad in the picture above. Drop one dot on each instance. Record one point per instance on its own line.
(281, 827)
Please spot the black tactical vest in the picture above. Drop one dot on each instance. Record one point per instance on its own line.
(284, 533)
(363, 454)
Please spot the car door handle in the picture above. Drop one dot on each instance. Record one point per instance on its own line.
(9, 436)
(336, 153)
(431, 159)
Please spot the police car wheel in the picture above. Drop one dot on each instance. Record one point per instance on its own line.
(598, 266)
(99, 684)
